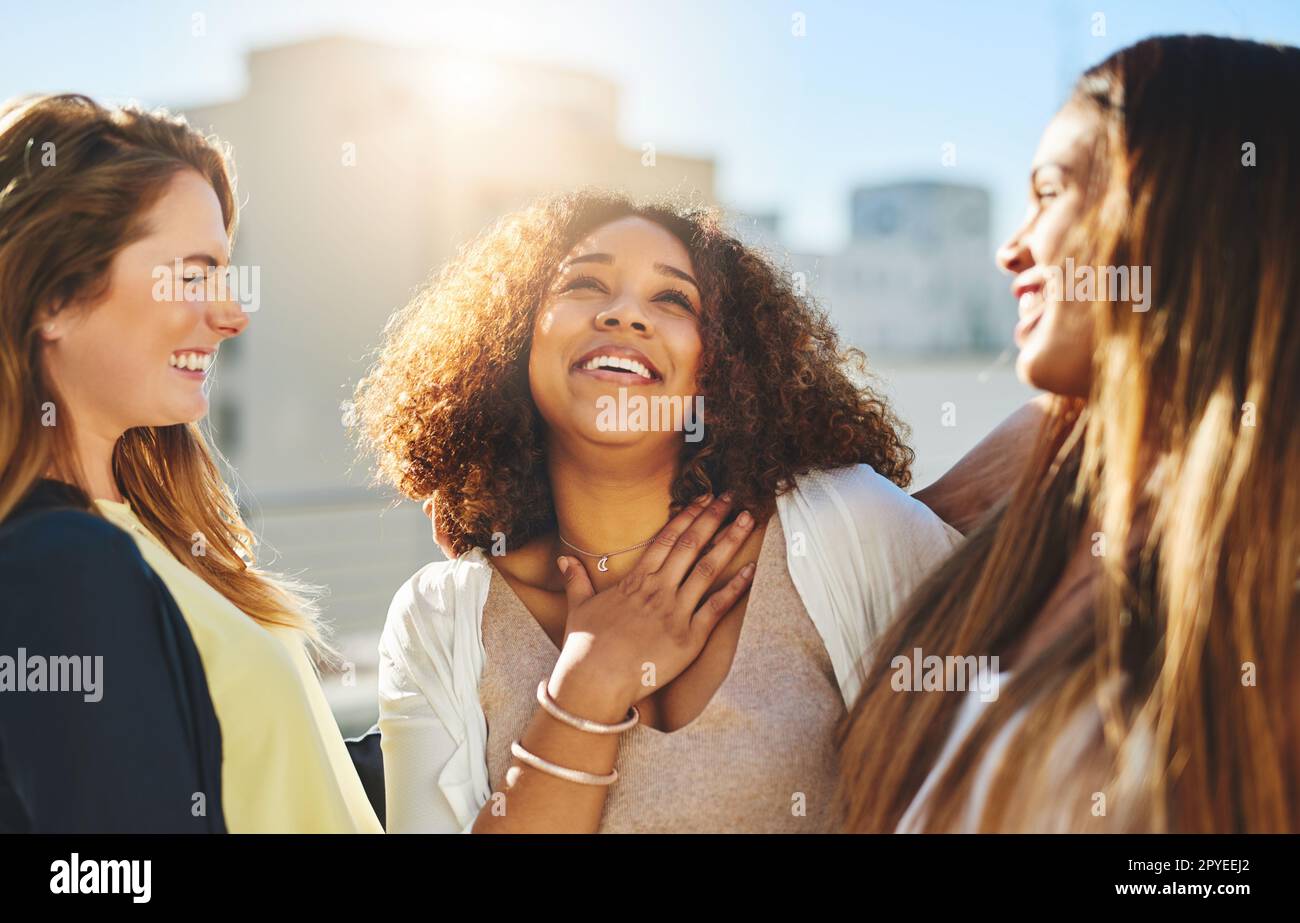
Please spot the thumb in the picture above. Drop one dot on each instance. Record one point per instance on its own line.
(577, 585)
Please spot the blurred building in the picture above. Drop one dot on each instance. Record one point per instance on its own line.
(362, 167)
(917, 276)
(761, 230)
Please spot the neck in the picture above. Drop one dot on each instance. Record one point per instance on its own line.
(92, 468)
(607, 501)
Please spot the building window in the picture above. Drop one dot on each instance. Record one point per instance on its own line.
(884, 218)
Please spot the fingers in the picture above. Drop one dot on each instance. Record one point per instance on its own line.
(715, 561)
(692, 542)
(720, 603)
(577, 585)
(657, 552)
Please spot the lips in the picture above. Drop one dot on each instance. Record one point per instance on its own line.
(622, 364)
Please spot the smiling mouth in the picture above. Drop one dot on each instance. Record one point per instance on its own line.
(1031, 310)
(621, 369)
(187, 361)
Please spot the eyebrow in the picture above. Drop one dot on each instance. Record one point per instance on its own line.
(607, 259)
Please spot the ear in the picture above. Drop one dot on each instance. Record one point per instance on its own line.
(49, 323)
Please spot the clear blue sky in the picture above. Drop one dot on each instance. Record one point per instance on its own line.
(870, 93)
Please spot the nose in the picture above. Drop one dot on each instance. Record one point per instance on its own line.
(626, 312)
(226, 315)
(1014, 255)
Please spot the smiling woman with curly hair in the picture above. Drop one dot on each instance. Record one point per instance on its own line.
(449, 408)
(507, 681)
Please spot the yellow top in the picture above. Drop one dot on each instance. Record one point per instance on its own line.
(284, 767)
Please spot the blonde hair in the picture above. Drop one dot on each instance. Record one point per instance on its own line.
(1191, 657)
(60, 227)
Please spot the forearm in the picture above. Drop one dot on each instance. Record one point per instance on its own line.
(534, 801)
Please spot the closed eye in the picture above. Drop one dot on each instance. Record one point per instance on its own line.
(583, 282)
(200, 273)
(673, 295)
(676, 297)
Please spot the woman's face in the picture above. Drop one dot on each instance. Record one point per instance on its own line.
(126, 360)
(618, 329)
(1055, 336)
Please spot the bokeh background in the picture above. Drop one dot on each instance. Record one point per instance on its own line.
(878, 150)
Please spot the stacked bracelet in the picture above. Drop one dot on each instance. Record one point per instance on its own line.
(583, 724)
(562, 772)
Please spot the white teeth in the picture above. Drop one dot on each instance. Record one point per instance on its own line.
(618, 362)
(195, 362)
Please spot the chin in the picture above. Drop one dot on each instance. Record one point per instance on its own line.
(1030, 371)
(590, 432)
(187, 412)
(1058, 375)
(586, 431)
(1024, 369)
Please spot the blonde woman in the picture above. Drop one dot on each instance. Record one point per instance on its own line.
(1139, 588)
(197, 707)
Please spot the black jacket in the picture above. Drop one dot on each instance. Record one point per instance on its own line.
(146, 757)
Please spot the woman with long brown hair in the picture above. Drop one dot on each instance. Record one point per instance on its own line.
(1138, 589)
(120, 544)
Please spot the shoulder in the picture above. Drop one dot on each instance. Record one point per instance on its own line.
(870, 506)
(865, 530)
(57, 525)
(64, 550)
(859, 485)
(435, 608)
(73, 581)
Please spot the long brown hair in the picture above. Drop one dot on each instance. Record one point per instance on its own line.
(75, 180)
(1185, 460)
(447, 405)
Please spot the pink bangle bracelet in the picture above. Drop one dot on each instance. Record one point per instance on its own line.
(561, 772)
(583, 724)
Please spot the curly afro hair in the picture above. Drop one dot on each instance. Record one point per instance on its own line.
(447, 407)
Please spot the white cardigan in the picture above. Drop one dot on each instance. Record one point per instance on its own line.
(856, 545)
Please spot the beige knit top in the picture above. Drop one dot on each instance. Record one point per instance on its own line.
(760, 758)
